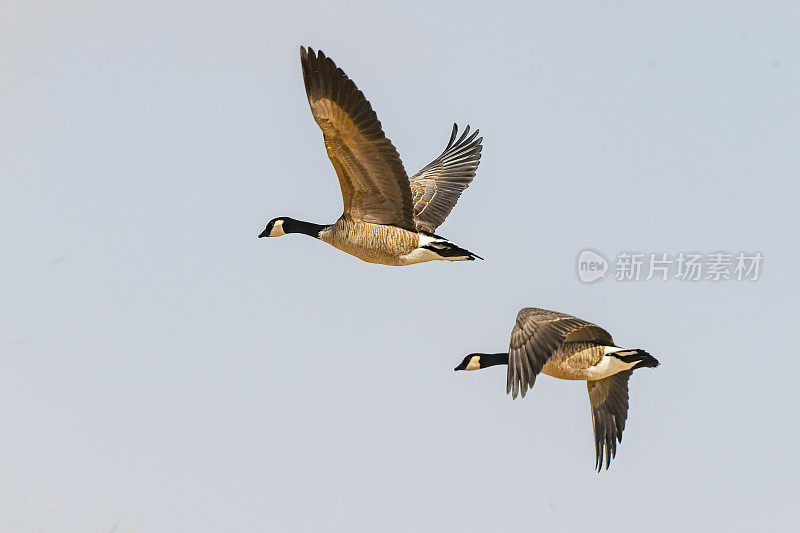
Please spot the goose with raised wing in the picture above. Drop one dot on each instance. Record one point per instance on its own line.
(388, 219)
(567, 347)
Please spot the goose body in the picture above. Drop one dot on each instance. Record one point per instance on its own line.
(584, 361)
(388, 219)
(566, 347)
(388, 245)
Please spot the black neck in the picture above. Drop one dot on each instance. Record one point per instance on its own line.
(291, 225)
(491, 359)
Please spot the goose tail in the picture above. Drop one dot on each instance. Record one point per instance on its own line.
(642, 358)
(447, 250)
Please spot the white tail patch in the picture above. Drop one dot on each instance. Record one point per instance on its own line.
(425, 240)
(611, 349)
(428, 250)
(625, 353)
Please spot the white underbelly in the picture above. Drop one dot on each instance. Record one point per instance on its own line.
(608, 366)
(419, 255)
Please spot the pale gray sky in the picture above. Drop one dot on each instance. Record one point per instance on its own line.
(161, 366)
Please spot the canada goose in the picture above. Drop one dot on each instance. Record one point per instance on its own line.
(387, 219)
(566, 347)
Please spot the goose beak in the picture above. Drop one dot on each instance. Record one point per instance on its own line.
(264, 233)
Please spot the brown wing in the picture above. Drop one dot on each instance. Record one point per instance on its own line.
(437, 187)
(609, 399)
(537, 334)
(375, 186)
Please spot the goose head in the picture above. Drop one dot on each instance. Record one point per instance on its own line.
(470, 362)
(275, 228)
(476, 361)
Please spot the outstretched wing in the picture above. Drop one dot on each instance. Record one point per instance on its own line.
(437, 187)
(537, 334)
(609, 399)
(375, 187)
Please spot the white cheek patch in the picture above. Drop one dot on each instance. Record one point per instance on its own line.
(277, 229)
(474, 364)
